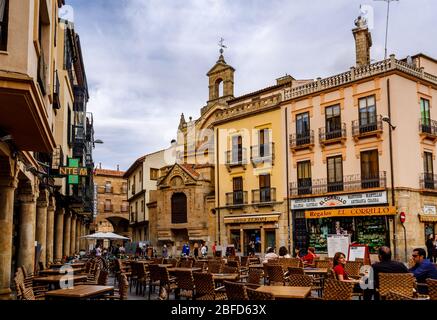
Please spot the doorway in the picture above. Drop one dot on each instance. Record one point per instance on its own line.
(252, 241)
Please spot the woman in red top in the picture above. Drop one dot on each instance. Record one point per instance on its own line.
(308, 259)
(339, 263)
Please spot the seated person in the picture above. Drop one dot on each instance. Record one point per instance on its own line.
(310, 256)
(385, 265)
(283, 252)
(423, 269)
(339, 262)
(270, 255)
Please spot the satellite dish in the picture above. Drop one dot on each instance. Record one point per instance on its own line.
(409, 60)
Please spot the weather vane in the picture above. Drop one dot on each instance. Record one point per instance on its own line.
(221, 45)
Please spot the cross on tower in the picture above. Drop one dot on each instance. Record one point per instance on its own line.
(221, 45)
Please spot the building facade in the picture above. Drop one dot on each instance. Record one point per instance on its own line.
(40, 219)
(112, 205)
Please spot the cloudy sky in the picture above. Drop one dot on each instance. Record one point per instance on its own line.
(146, 60)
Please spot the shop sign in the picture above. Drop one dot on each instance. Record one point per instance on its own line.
(252, 219)
(343, 200)
(429, 210)
(350, 212)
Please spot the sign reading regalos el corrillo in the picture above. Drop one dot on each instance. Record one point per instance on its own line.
(66, 171)
(350, 212)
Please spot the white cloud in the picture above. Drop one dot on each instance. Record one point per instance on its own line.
(146, 61)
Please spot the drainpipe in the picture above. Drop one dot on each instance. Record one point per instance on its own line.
(392, 173)
(287, 180)
(218, 188)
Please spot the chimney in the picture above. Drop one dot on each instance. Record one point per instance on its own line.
(100, 165)
(363, 42)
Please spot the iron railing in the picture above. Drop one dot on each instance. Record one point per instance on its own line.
(354, 182)
(262, 153)
(428, 126)
(236, 157)
(302, 139)
(236, 198)
(264, 195)
(373, 125)
(428, 181)
(326, 135)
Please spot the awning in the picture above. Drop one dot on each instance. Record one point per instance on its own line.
(428, 218)
(351, 212)
(247, 218)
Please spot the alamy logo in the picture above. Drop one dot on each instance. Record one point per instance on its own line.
(67, 280)
(366, 13)
(367, 281)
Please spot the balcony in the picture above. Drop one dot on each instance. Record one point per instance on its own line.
(263, 196)
(235, 158)
(350, 183)
(428, 181)
(372, 128)
(42, 73)
(56, 91)
(262, 153)
(236, 198)
(301, 141)
(57, 157)
(332, 136)
(428, 129)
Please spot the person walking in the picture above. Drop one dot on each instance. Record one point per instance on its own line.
(430, 247)
(196, 250)
(165, 251)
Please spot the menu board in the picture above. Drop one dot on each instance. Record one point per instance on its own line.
(338, 243)
(356, 252)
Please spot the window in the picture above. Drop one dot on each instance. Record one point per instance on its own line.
(429, 170)
(108, 205)
(179, 208)
(124, 206)
(136, 212)
(335, 173)
(367, 114)
(263, 139)
(304, 177)
(238, 190)
(4, 12)
(333, 122)
(237, 149)
(154, 174)
(142, 205)
(108, 187)
(124, 187)
(264, 188)
(69, 127)
(369, 169)
(302, 128)
(425, 115)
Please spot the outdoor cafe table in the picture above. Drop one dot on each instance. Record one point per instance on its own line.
(80, 292)
(194, 269)
(256, 266)
(59, 271)
(57, 279)
(225, 276)
(318, 271)
(286, 292)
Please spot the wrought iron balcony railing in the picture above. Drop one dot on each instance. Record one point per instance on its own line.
(372, 126)
(354, 182)
(236, 157)
(42, 72)
(327, 136)
(262, 153)
(264, 195)
(428, 181)
(302, 140)
(56, 91)
(236, 198)
(428, 127)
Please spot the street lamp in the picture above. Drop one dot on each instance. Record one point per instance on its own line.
(98, 141)
(387, 119)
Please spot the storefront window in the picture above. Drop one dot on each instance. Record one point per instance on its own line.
(372, 231)
(270, 239)
(235, 239)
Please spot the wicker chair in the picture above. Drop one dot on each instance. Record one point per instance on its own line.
(402, 283)
(205, 287)
(215, 267)
(276, 274)
(432, 288)
(123, 288)
(300, 280)
(167, 283)
(254, 276)
(154, 277)
(235, 291)
(352, 268)
(323, 264)
(199, 264)
(295, 270)
(396, 296)
(257, 295)
(337, 290)
(185, 283)
(228, 269)
(186, 263)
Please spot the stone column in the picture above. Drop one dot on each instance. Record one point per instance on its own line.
(7, 188)
(27, 225)
(67, 233)
(41, 222)
(59, 233)
(50, 229)
(73, 234)
(78, 235)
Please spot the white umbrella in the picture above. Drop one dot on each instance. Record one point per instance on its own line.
(105, 235)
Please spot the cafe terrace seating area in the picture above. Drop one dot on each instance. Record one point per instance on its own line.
(212, 278)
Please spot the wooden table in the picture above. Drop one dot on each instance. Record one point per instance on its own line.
(286, 292)
(225, 276)
(56, 280)
(166, 265)
(256, 266)
(59, 271)
(320, 271)
(80, 292)
(194, 269)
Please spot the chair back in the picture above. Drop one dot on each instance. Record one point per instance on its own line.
(199, 264)
(432, 288)
(233, 263)
(184, 279)
(396, 296)
(186, 263)
(244, 261)
(337, 290)
(275, 274)
(323, 264)
(204, 283)
(402, 283)
(123, 286)
(228, 269)
(295, 270)
(154, 271)
(102, 280)
(258, 295)
(215, 267)
(172, 261)
(300, 280)
(235, 291)
(352, 268)
(254, 276)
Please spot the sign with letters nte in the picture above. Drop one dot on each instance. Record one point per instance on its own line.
(73, 171)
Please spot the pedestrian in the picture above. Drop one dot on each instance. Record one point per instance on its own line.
(164, 251)
(422, 269)
(214, 249)
(204, 250)
(98, 251)
(430, 247)
(196, 250)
